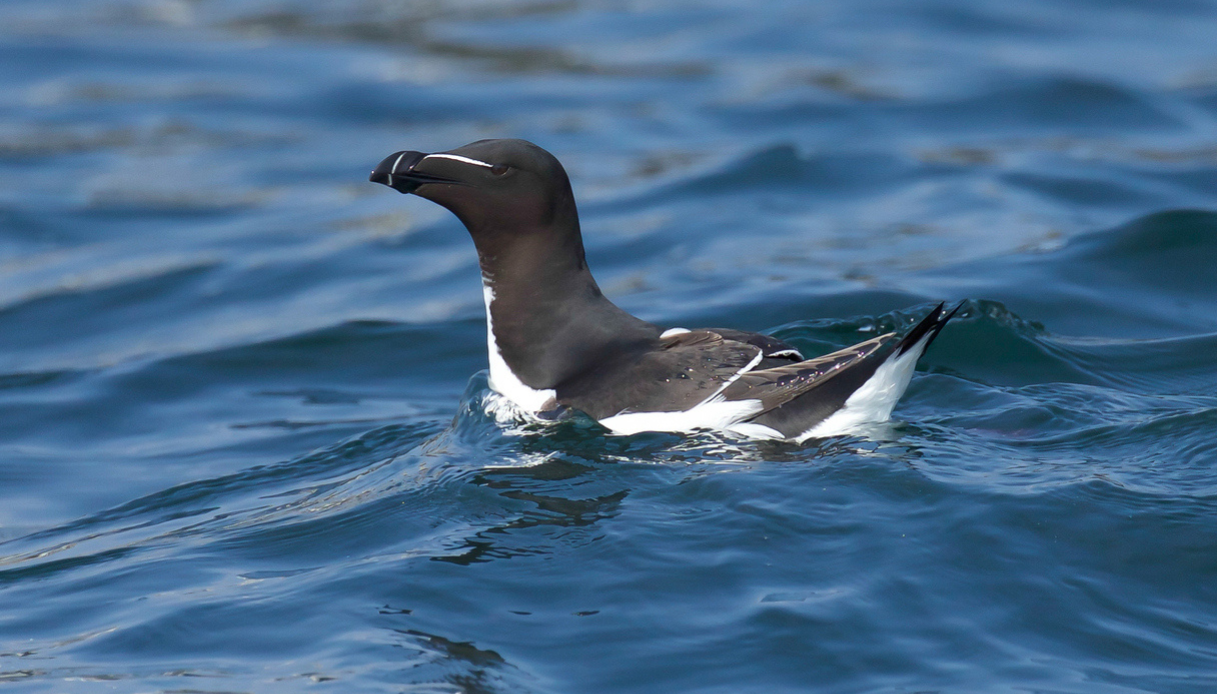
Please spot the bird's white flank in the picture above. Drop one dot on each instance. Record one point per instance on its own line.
(712, 413)
(873, 402)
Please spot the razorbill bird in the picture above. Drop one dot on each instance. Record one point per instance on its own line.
(556, 343)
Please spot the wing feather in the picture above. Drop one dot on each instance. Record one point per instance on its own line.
(686, 370)
(776, 386)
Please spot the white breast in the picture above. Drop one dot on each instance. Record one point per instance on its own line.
(502, 379)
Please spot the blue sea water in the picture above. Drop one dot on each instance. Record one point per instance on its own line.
(243, 440)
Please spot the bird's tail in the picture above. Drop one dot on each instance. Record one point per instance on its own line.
(931, 325)
(862, 392)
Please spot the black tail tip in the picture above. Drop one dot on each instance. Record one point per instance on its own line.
(931, 325)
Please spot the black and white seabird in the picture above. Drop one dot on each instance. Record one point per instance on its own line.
(557, 343)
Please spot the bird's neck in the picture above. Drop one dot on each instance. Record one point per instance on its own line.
(547, 318)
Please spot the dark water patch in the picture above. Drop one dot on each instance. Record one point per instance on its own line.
(45, 142)
(976, 22)
(1170, 249)
(1083, 192)
(1053, 434)
(355, 352)
(85, 300)
(36, 379)
(984, 342)
(176, 205)
(360, 358)
(1148, 278)
(1167, 366)
(1197, 178)
(1207, 98)
(699, 559)
(1163, 260)
(782, 167)
(771, 116)
(203, 507)
(1058, 105)
(419, 30)
(992, 345)
(761, 310)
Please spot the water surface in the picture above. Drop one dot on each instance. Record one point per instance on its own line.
(243, 437)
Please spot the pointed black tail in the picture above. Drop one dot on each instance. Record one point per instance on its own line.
(931, 325)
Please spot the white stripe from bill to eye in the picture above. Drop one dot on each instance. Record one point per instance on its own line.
(457, 157)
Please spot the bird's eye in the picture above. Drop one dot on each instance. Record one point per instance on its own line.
(499, 169)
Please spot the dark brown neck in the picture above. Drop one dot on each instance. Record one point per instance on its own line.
(550, 320)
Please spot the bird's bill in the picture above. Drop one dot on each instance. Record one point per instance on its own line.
(399, 173)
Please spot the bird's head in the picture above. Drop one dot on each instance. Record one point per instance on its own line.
(493, 186)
